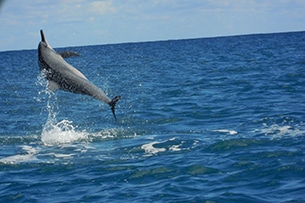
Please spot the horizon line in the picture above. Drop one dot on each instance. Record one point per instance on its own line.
(163, 40)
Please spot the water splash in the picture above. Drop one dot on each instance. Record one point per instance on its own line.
(62, 132)
(56, 132)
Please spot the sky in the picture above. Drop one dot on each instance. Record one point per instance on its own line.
(68, 23)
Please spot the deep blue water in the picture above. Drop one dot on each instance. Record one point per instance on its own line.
(208, 120)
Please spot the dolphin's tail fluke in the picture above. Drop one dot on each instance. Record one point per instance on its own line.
(112, 104)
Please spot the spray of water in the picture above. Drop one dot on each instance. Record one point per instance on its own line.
(59, 132)
(56, 132)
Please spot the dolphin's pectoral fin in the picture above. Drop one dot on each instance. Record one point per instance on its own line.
(52, 86)
(112, 104)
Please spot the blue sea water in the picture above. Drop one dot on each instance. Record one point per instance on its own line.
(201, 120)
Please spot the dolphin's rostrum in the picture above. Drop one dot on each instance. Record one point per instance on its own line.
(61, 75)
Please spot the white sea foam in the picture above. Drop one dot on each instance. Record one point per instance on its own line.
(151, 150)
(28, 154)
(172, 144)
(65, 132)
(109, 133)
(176, 147)
(276, 131)
(230, 132)
(61, 133)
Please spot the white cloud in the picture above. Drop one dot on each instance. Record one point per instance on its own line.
(102, 7)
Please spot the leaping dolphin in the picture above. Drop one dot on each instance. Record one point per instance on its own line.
(61, 75)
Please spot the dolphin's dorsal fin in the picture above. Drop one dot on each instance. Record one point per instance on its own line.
(52, 86)
(67, 54)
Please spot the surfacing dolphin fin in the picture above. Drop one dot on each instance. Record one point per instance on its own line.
(61, 75)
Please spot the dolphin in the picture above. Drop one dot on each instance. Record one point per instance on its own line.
(62, 75)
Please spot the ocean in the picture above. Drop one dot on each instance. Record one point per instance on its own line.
(200, 120)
